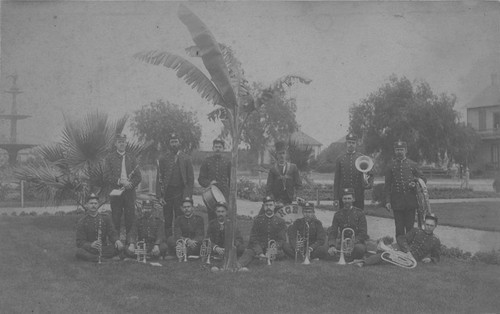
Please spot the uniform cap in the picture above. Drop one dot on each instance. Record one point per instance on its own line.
(221, 204)
(268, 199)
(188, 199)
(348, 191)
(173, 136)
(147, 204)
(219, 141)
(280, 146)
(400, 144)
(351, 137)
(92, 196)
(431, 216)
(308, 207)
(119, 136)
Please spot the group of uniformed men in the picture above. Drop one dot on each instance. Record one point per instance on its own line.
(97, 236)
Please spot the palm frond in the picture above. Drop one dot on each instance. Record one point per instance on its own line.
(289, 80)
(51, 153)
(193, 76)
(210, 54)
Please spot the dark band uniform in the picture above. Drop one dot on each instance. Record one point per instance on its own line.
(150, 228)
(87, 232)
(174, 182)
(420, 244)
(192, 228)
(216, 233)
(317, 238)
(400, 191)
(123, 205)
(217, 168)
(355, 219)
(263, 230)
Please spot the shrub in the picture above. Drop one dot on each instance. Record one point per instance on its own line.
(13, 214)
(491, 257)
(456, 253)
(325, 167)
(33, 213)
(249, 190)
(23, 213)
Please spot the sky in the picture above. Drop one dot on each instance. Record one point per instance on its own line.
(75, 56)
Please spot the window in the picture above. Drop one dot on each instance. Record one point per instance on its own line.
(495, 154)
(496, 120)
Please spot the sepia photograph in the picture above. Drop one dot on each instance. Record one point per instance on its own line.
(249, 156)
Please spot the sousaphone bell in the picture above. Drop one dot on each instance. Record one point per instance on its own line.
(364, 164)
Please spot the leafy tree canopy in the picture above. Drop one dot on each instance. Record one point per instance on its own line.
(400, 110)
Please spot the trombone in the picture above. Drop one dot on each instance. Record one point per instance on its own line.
(364, 164)
(346, 245)
(206, 249)
(181, 250)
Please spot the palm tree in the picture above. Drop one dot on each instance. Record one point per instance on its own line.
(227, 89)
(73, 168)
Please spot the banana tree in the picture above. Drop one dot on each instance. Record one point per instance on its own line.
(227, 89)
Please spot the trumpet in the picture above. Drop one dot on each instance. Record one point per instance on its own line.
(346, 245)
(271, 251)
(364, 164)
(99, 239)
(299, 245)
(206, 249)
(181, 250)
(397, 258)
(141, 251)
(306, 253)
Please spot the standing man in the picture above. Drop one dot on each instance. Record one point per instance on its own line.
(265, 228)
(150, 229)
(308, 227)
(216, 233)
(284, 178)
(400, 189)
(189, 227)
(347, 176)
(216, 170)
(174, 181)
(95, 235)
(348, 217)
(122, 173)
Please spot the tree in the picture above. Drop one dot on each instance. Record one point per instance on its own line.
(154, 123)
(73, 168)
(399, 111)
(227, 89)
(325, 162)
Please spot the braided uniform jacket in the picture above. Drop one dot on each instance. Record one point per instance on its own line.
(347, 176)
(317, 234)
(353, 218)
(192, 228)
(216, 168)
(420, 244)
(265, 229)
(398, 177)
(87, 229)
(150, 229)
(216, 233)
(113, 169)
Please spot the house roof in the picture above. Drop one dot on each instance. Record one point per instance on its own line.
(302, 138)
(490, 96)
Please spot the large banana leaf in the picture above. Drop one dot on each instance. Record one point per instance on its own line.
(210, 54)
(186, 70)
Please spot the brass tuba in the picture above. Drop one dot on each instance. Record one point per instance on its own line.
(206, 249)
(364, 164)
(181, 250)
(346, 245)
(397, 258)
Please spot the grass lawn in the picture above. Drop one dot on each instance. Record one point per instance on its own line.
(40, 275)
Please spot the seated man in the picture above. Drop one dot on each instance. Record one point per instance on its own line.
(150, 229)
(96, 237)
(348, 217)
(421, 245)
(265, 228)
(190, 228)
(216, 233)
(308, 227)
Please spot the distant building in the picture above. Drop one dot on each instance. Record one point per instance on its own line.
(302, 139)
(483, 114)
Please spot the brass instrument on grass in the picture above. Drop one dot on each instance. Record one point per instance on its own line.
(206, 249)
(141, 251)
(181, 250)
(299, 245)
(306, 248)
(346, 245)
(271, 252)
(397, 258)
(364, 164)
(99, 239)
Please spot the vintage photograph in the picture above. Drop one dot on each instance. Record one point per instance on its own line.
(249, 156)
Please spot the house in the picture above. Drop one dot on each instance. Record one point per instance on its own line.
(483, 114)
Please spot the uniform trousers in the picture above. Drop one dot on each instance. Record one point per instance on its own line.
(123, 205)
(173, 203)
(92, 254)
(249, 254)
(320, 252)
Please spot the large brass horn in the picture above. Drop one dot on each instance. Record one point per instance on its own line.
(397, 258)
(364, 164)
(346, 245)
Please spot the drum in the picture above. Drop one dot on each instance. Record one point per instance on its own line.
(211, 196)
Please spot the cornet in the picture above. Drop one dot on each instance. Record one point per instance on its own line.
(364, 164)
(141, 251)
(206, 249)
(181, 250)
(271, 251)
(346, 245)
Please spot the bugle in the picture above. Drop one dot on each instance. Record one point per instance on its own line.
(397, 258)
(181, 250)
(206, 249)
(346, 245)
(364, 164)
